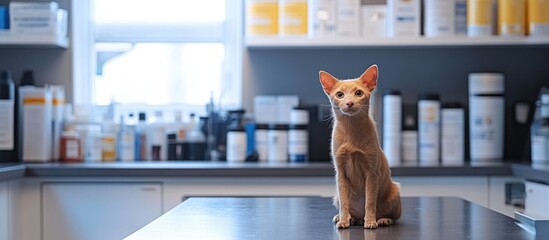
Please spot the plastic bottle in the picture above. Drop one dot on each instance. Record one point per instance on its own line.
(261, 140)
(236, 144)
(539, 131)
(70, 149)
(429, 128)
(126, 142)
(486, 116)
(7, 114)
(452, 133)
(157, 136)
(141, 137)
(195, 140)
(392, 125)
(277, 143)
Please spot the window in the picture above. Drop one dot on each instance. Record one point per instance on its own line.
(163, 52)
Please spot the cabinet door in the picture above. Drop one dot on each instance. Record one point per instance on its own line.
(4, 211)
(536, 200)
(473, 189)
(98, 210)
(497, 195)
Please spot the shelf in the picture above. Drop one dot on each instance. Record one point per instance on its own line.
(305, 42)
(33, 39)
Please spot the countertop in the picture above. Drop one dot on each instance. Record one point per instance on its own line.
(310, 218)
(533, 172)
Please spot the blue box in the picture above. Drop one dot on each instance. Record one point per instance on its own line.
(4, 18)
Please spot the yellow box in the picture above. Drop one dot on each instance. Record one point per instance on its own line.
(538, 17)
(512, 17)
(480, 17)
(261, 17)
(293, 17)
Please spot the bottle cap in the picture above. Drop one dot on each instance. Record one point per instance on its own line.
(452, 105)
(142, 116)
(27, 79)
(429, 96)
(6, 74)
(486, 83)
(391, 92)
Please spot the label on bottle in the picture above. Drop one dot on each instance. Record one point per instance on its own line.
(6, 128)
(72, 149)
(540, 149)
(109, 148)
(452, 138)
(236, 146)
(392, 124)
(486, 127)
(298, 141)
(429, 130)
(126, 149)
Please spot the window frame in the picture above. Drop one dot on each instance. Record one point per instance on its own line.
(84, 36)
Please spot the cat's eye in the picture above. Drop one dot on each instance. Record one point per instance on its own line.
(340, 94)
(359, 93)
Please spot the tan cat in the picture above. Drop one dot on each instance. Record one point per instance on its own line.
(365, 192)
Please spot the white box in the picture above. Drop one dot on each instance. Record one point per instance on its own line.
(403, 18)
(265, 109)
(36, 123)
(374, 20)
(285, 104)
(274, 109)
(322, 18)
(38, 17)
(348, 18)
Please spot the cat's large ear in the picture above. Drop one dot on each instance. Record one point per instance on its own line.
(369, 77)
(328, 81)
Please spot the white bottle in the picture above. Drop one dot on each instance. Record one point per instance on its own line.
(486, 116)
(236, 144)
(453, 132)
(392, 126)
(429, 128)
(540, 132)
(126, 142)
(409, 140)
(261, 141)
(158, 149)
(439, 18)
(277, 143)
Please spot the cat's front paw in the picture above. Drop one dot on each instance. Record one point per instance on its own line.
(344, 222)
(370, 224)
(385, 221)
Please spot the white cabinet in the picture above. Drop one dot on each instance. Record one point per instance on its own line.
(537, 195)
(98, 210)
(176, 189)
(4, 211)
(473, 189)
(497, 193)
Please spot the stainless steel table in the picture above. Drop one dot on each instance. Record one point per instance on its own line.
(310, 218)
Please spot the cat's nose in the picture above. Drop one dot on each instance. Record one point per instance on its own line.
(350, 104)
